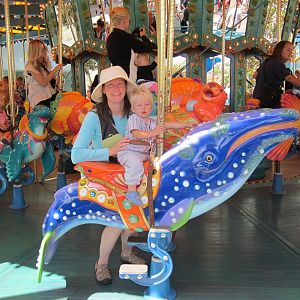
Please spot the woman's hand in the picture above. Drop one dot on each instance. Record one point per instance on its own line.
(57, 68)
(119, 146)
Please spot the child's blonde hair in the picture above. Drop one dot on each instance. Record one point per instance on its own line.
(37, 56)
(141, 91)
(118, 14)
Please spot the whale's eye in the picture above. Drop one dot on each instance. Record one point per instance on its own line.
(209, 158)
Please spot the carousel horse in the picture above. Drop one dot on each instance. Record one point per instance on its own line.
(209, 164)
(29, 144)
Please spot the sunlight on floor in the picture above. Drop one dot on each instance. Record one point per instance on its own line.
(17, 280)
(114, 296)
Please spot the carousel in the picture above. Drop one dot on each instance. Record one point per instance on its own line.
(228, 187)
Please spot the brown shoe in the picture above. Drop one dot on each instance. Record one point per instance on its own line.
(132, 259)
(102, 274)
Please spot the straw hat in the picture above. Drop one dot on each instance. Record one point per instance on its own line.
(107, 75)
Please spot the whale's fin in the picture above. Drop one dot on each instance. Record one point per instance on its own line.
(281, 150)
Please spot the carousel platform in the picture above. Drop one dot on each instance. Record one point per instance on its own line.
(247, 248)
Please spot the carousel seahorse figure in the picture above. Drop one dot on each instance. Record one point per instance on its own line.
(209, 164)
(29, 144)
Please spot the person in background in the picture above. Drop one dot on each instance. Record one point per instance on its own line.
(40, 77)
(121, 45)
(100, 30)
(4, 99)
(108, 119)
(271, 75)
(144, 68)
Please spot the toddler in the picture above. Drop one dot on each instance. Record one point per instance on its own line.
(140, 127)
(144, 68)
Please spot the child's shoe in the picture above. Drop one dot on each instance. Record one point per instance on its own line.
(134, 198)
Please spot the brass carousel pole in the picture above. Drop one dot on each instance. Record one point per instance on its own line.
(277, 185)
(161, 71)
(170, 46)
(61, 175)
(1, 63)
(59, 42)
(223, 41)
(17, 195)
(9, 63)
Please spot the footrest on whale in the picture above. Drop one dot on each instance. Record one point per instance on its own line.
(133, 272)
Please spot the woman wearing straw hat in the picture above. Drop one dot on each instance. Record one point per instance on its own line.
(108, 118)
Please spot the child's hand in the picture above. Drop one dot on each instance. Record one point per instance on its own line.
(297, 73)
(158, 129)
(119, 146)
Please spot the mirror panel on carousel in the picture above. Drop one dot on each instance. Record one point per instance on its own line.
(236, 16)
(271, 20)
(90, 68)
(99, 10)
(181, 18)
(252, 64)
(70, 23)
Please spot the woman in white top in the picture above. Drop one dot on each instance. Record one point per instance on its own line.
(39, 74)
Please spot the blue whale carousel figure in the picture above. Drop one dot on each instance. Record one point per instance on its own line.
(205, 168)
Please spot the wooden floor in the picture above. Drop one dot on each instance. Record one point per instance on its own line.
(247, 248)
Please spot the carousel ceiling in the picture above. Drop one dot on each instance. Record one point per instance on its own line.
(36, 22)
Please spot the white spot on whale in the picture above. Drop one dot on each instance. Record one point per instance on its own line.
(243, 154)
(65, 218)
(243, 161)
(207, 184)
(219, 182)
(216, 193)
(176, 180)
(56, 216)
(70, 190)
(73, 204)
(186, 183)
(261, 151)
(68, 212)
(172, 214)
(51, 224)
(230, 175)
(173, 172)
(235, 165)
(171, 200)
(197, 187)
(180, 210)
(208, 191)
(182, 174)
(176, 188)
(174, 220)
(163, 204)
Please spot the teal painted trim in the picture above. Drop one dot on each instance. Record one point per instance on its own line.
(237, 81)
(289, 19)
